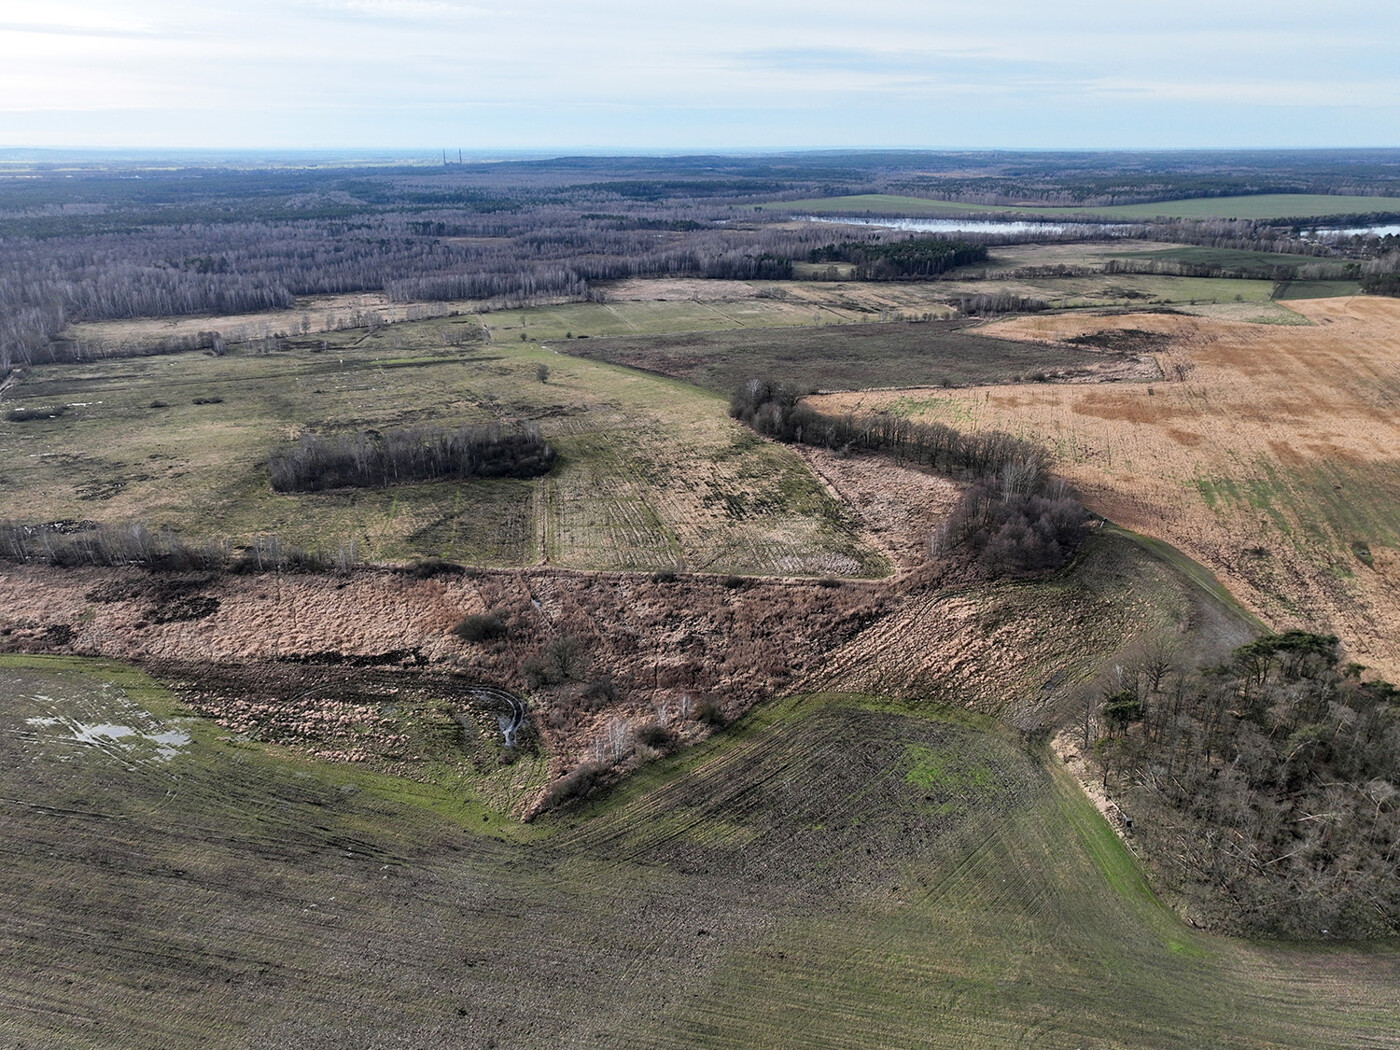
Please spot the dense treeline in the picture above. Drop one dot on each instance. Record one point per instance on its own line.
(776, 411)
(375, 460)
(914, 257)
(1381, 284)
(1267, 789)
(1014, 519)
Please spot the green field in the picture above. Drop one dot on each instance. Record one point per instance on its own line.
(1316, 289)
(850, 357)
(640, 457)
(640, 317)
(1261, 206)
(1233, 259)
(832, 872)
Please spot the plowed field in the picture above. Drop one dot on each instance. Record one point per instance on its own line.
(834, 872)
(1271, 454)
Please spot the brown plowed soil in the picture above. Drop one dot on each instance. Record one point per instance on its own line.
(1271, 454)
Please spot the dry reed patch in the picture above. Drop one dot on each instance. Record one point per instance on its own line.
(1270, 454)
(666, 645)
(898, 507)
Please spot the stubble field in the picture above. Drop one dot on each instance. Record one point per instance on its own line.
(1266, 453)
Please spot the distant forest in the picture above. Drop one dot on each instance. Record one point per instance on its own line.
(100, 241)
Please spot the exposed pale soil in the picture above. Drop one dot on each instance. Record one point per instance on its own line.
(1265, 454)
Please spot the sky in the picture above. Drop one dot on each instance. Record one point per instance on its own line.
(704, 74)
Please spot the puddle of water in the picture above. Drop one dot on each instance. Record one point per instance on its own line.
(168, 743)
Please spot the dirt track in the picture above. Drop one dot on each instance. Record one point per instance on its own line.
(1269, 453)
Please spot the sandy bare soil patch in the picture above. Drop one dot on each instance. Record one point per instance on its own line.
(1269, 453)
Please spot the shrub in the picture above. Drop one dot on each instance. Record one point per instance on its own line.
(654, 735)
(24, 415)
(598, 693)
(575, 785)
(561, 660)
(480, 627)
(710, 713)
(427, 568)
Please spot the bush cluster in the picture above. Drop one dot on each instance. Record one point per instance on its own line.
(1015, 532)
(1014, 518)
(376, 460)
(480, 627)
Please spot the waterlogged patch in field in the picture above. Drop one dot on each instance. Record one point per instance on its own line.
(64, 716)
(164, 741)
(289, 901)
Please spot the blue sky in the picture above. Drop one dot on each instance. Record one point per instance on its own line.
(712, 74)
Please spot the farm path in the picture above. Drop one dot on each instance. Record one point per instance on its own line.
(1269, 453)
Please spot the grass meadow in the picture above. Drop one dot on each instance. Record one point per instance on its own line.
(652, 474)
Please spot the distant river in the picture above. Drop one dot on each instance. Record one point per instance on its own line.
(960, 225)
(1353, 231)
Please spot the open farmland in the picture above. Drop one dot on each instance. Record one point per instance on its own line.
(835, 872)
(1023, 271)
(1268, 454)
(1259, 206)
(651, 473)
(845, 356)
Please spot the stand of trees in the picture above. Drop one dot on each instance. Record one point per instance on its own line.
(776, 411)
(1014, 519)
(1381, 284)
(375, 460)
(914, 257)
(1267, 790)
